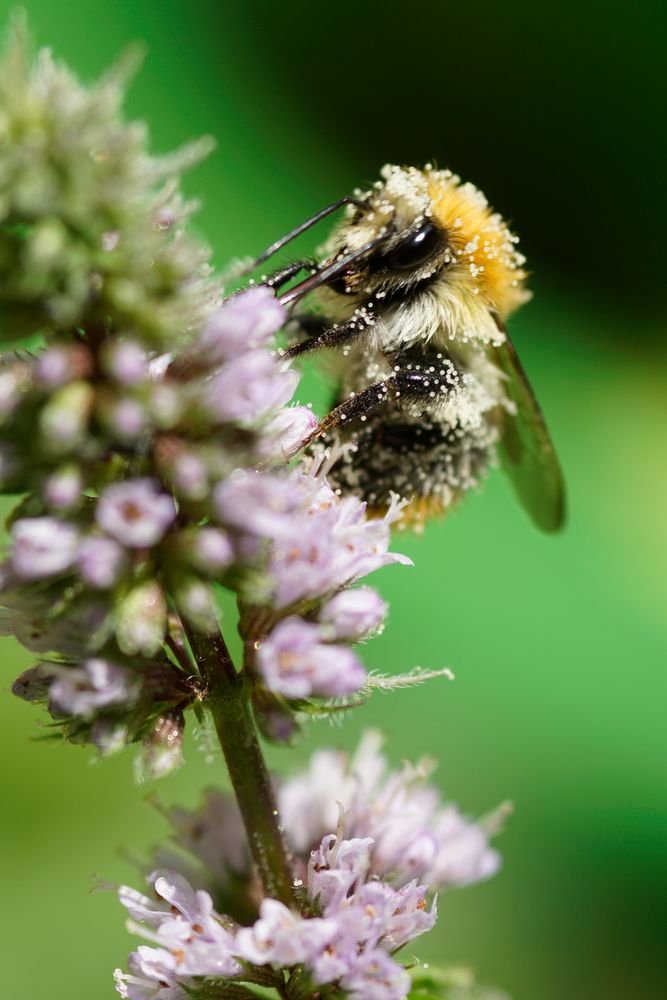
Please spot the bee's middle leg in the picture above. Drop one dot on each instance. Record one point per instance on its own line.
(405, 383)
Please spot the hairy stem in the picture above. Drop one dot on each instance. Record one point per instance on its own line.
(228, 701)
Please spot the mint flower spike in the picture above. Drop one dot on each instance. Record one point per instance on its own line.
(92, 223)
(150, 436)
(368, 889)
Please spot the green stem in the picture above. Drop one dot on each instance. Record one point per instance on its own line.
(228, 701)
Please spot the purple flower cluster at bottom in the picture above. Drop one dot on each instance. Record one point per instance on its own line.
(357, 923)
(367, 891)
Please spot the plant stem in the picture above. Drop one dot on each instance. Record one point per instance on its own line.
(228, 701)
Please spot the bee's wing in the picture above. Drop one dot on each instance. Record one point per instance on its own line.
(526, 450)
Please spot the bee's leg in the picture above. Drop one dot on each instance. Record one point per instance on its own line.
(288, 271)
(302, 326)
(339, 333)
(406, 383)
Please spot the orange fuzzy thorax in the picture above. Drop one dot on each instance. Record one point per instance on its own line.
(480, 240)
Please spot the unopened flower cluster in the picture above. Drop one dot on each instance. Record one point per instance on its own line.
(368, 886)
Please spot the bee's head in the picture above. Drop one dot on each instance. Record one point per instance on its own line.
(425, 229)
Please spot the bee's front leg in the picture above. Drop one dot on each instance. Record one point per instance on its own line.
(288, 271)
(334, 336)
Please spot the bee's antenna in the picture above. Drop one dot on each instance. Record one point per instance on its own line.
(314, 219)
(328, 272)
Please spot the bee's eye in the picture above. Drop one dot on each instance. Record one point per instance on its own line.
(414, 250)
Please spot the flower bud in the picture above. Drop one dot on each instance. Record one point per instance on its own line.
(125, 361)
(290, 427)
(210, 550)
(141, 620)
(354, 614)
(194, 599)
(276, 721)
(109, 735)
(125, 418)
(64, 420)
(162, 750)
(101, 561)
(185, 471)
(62, 489)
(61, 363)
(14, 378)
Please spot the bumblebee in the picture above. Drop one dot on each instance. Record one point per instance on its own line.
(411, 293)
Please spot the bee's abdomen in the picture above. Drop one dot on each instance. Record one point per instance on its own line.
(425, 460)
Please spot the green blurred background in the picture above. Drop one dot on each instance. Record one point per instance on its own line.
(559, 645)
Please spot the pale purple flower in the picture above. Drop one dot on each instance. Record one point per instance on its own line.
(399, 915)
(463, 855)
(166, 404)
(96, 684)
(370, 916)
(101, 561)
(244, 322)
(376, 976)
(373, 911)
(294, 662)
(308, 801)
(211, 550)
(335, 867)
(328, 546)
(248, 387)
(354, 614)
(62, 489)
(126, 362)
(259, 503)
(153, 974)
(283, 938)
(189, 475)
(59, 364)
(414, 835)
(289, 428)
(194, 906)
(125, 419)
(184, 921)
(43, 546)
(136, 512)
